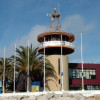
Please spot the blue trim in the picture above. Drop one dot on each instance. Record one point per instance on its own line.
(27, 76)
(62, 74)
(0, 90)
(82, 74)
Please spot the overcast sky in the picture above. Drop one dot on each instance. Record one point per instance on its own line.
(23, 20)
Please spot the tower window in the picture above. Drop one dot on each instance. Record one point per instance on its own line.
(56, 37)
(59, 66)
(64, 38)
(67, 38)
(46, 39)
(49, 37)
(53, 37)
(59, 81)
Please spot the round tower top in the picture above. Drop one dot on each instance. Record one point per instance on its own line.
(68, 35)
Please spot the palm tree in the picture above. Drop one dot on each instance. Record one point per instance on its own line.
(35, 64)
(1, 69)
(8, 71)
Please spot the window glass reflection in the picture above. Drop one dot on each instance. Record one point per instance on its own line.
(77, 73)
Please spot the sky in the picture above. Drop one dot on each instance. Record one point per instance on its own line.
(23, 20)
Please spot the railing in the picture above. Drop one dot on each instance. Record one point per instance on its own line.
(56, 43)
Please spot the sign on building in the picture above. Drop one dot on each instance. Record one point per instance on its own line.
(36, 86)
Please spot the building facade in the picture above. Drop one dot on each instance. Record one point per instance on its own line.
(91, 76)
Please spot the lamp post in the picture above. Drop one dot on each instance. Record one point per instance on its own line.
(4, 73)
(28, 70)
(14, 66)
(82, 64)
(44, 63)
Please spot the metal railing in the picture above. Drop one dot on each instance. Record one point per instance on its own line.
(57, 43)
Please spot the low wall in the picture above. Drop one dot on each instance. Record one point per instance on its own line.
(59, 95)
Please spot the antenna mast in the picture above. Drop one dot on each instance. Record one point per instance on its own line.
(55, 21)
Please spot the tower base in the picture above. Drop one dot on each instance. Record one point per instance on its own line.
(56, 84)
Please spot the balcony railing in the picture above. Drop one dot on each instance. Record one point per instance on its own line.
(56, 43)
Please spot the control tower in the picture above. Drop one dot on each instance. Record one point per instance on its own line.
(57, 45)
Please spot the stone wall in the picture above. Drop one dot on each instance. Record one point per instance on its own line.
(51, 96)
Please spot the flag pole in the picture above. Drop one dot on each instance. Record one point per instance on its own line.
(62, 64)
(44, 64)
(28, 70)
(4, 73)
(14, 66)
(82, 64)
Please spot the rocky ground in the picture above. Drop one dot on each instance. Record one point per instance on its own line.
(50, 96)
